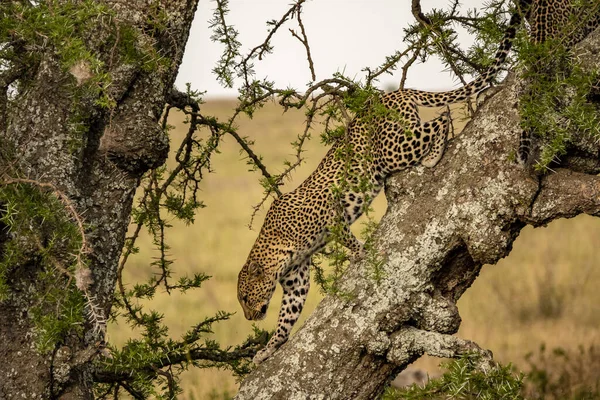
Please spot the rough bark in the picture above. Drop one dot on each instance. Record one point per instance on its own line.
(100, 177)
(441, 226)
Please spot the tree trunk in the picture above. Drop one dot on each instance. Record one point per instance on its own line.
(99, 174)
(441, 226)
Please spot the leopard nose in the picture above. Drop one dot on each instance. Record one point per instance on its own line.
(249, 314)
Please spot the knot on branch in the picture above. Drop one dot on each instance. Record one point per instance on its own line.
(61, 367)
(135, 145)
(182, 100)
(410, 343)
(378, 344)
(436, 313)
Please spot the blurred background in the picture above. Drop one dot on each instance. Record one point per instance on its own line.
(544, 293)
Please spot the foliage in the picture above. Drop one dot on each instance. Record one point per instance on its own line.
(150, 366)
(464, 380)
(559, 374)
(556, 102)
(39, 226)
(80, 35)
(55, 26)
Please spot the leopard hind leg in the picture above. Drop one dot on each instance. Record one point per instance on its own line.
(413, 142)
(524, 151)
(439, 128)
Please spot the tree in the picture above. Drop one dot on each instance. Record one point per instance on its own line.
(84, 84)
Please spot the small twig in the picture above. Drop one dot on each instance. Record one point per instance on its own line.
(106, 393)
(405, 68)
(136, 395)
(130, 242)
(424, 21)
(261, 48)
(256, 208)
(304, 40)
(387, 67)
(229, 35)
(170, 381)
(255, 159)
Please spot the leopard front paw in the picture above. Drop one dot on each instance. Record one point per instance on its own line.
(358, 253)
(263, 355)
(356, 257)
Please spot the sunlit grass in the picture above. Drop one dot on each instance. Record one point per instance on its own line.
(511, 308)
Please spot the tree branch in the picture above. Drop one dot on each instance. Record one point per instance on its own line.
(441, 226)
(109, 375)
(566, 194)
(304, 40)
(411, 342)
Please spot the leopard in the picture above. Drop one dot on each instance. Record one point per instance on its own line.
(299, 223)
(567, 21)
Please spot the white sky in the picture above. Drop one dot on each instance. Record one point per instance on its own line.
(344, 35)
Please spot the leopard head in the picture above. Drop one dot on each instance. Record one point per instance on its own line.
(255, 289)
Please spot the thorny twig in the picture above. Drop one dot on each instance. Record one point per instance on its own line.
(304, 41)
(84, 248)
(82, 276)
(264, 46)
(170, 381)
(443, 46)
(405, 68)
(220, 356)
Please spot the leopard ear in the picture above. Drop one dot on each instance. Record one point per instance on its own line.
(255, 270)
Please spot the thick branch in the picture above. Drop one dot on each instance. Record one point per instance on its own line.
(196, 355)
(441, 226)
(566, 194)
(411, 341)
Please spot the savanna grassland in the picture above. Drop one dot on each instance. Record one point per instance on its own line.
(546, 291)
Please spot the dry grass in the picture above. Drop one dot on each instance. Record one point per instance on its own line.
(545, 291)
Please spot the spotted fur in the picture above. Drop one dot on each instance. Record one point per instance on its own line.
(296, 225)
